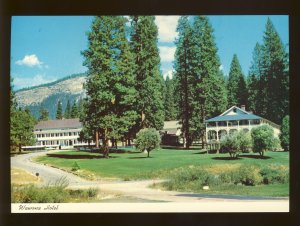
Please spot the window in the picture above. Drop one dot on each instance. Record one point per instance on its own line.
(222, 123)
(232, 123)
(244, 122)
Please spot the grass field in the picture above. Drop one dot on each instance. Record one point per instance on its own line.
(21, 177)
(165, 163)
(135, 165)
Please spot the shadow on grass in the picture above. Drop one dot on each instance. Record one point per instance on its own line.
(256, 157)
(63, 156)
(201, 152)
(226, 158)
(141, 157)
(179, 148)
(116, 151)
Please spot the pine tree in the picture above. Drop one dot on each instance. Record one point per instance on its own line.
(170, 108)
(67, 114)
(111, 95)
(59, 111)
(254, 83)
(237, 90)
(183, 78)
(275, 75)
(80, 107)
(74, 111)
(44, 114)
(210, 96)
(22, 125)
(149, 82)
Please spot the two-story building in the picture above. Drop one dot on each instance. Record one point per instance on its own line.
(235, 119)
(58, 133)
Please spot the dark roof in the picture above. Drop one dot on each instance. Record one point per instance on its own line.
(240, 114)
(59, 124)
(233, 118)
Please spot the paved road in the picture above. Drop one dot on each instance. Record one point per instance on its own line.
(136, 189)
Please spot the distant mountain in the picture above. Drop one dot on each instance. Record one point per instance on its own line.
(69, 88)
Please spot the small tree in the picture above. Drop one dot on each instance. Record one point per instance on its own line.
(263, 139)
(285, 133)
(236, 143)
(147, 140)
(244, 141)
(59, 114)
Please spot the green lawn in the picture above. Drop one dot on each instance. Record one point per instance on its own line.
(135, 165)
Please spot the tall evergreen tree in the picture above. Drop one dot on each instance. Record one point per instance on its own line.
(275, 75)
(183, 78)
(44, 114)
(74, 111)
(236, 86)
(80, 107)
(254, 82)
(59, 113)
(170, 108)
(149, 82)
(110, 84)
(210, 96)
(67, 114)
(22, 124)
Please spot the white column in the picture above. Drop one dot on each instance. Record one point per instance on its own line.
(217, 130)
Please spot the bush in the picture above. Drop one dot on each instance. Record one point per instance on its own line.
(75, 167)
(148, 140)
(285, 133)
(263, 139)
(274, 175)
(249, 175)
(236, 143)
(33, 194)
(85, 194)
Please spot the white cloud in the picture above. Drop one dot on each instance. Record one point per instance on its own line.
(167, 53)
(221, 67)
(30, 61)
(169, 74)
(166, 27)
(23, 82)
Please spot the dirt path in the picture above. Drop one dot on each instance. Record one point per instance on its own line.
(130, 189)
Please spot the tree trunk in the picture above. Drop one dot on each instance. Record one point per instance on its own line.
(143, 119)
(97, 139)
(20, 148)
(106, 149)
(148, 153)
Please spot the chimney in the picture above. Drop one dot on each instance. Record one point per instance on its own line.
(243, 107)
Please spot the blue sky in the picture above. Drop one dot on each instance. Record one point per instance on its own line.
(47, 48)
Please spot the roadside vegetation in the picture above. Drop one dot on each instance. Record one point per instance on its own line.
(186, 170)
(26, 188)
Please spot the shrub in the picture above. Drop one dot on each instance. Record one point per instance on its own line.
(263, 139)
(75, 166)
(244, 141)
(236, 143)
(229, 144)
(33, 194)
(274, 175)
(148, 140)
(249, 175)
(87, 193)
(285, 133)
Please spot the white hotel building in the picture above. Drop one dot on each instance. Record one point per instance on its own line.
(58, 133)
(235, 119)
